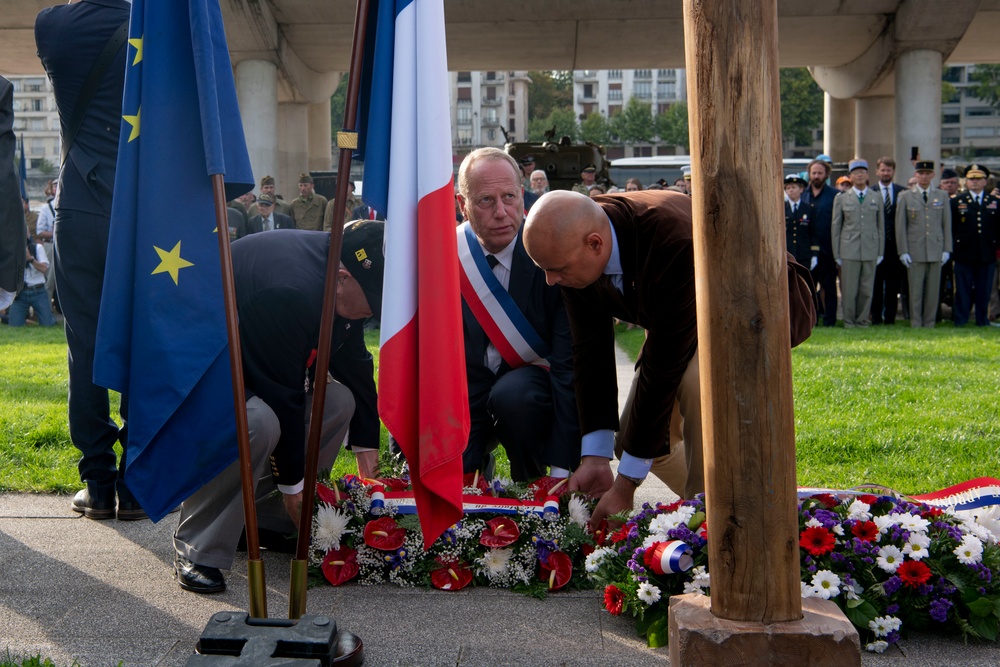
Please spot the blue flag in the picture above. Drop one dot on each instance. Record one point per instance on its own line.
(161, 335)
(22, 168)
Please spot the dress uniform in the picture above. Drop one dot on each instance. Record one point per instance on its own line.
(858, 238)
(799, 235)
(975, 217)
(923, 238)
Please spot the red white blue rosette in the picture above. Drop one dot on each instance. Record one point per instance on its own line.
(671, 557)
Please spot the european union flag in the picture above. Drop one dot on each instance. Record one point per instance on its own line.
(162, 327)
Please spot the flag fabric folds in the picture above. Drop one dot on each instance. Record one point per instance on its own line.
(162, 327)
(405, 130)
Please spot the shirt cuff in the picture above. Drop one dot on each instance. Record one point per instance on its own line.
(630, 466)
(598, 443)
(293, 489)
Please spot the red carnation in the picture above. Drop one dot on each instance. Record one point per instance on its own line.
(499, 533)
(914, 573)
(931, 512)
(452, 576)
(614, 600)
(669, 508)
(866, 531)
(384, 534)
(619, 535)
(817, 540)
(340, 565)
(557, 570)
(868, 499)
(827, 500)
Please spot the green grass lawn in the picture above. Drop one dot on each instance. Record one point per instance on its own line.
(916, 410)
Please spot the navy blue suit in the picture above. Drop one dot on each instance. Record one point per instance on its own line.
(363, 212)
(890, 275)
(12, 229)
(69, 39)
(825, 273)
(530, 410)
(975, 229)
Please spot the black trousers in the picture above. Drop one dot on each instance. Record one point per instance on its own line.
(888, 283)
(825, 275)
(81, 248)
(973, 283)
(516, 411)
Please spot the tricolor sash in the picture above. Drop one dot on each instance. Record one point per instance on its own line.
(970, 495)
(504, 323)
(404, 503)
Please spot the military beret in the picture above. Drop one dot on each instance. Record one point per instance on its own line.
(361, 253)
(267, 180)
(305, 178)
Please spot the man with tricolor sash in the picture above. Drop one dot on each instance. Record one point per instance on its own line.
(519, 361)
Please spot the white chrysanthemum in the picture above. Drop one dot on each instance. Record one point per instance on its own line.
(970, 551)
(879, 626)
(578, 512)
(701, 577)
(971, 527)
(914, 523)
(826, 584)
(596, 558)
(649, 593)
(877, 646)
(494, 562)
(916, 546)
(889, 558)
(807, 590)
(662, 523)
(329, 527)
(837, 530)
(652, 539)
(986, 520)
(884, 522)
(813, 523)
(691, 587)
(859, 511)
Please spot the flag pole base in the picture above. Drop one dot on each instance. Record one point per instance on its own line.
(258, 591)
(232, 638)
(297, 589)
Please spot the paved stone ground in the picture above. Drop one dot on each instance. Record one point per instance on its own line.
(102, 593)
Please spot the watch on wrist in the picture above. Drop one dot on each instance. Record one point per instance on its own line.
(637, 481)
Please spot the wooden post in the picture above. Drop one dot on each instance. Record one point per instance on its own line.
(731, 50)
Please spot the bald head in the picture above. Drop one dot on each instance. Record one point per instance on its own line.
(568, 236)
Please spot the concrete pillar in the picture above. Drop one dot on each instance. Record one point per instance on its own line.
(293, 147)
(918, 109)
(320, 149)
(838, 128)
(257, 92)
(875, 128)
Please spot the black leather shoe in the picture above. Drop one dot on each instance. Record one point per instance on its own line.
(198, 578)
(94, 507)
(130, 510)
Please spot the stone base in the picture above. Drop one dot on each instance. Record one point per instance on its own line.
(822, 638)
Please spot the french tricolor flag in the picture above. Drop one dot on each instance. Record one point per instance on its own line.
(406, 146)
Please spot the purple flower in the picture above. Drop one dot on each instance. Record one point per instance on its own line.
(828, 518)
(544, 548)
(892, 609)
(892, 637)
(812, 567)
(925, 589)
(892, 584)
(681, 532)
(939, 609)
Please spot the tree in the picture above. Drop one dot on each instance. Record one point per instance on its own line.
(672, 125)
(337, 104)
(564, 122)
(801, 105)
(987, 88)
(549, 91)
(634, 124)
(596, 129)
(45, 167)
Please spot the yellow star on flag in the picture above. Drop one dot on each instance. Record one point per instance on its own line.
(171, 262)
(134, 122)
(137, 43)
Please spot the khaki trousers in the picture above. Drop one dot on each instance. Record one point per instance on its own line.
(925, 292)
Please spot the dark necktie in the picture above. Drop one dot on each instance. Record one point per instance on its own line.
(492, 261)
(925, 197)
(861, 197)
(795, 207)
(887, 202)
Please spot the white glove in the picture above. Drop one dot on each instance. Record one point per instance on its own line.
(945, 256)
(878, 261)
(813, 262)
(840, 262)
(906, 259)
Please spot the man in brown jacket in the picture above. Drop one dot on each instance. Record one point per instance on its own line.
(630, 256)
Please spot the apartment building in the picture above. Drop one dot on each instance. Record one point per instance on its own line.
(484, 105)
(36, 121)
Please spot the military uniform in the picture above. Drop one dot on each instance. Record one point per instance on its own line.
(923, 231)
(858, 238)
(352, 203)
(308, 212)
(975, 229)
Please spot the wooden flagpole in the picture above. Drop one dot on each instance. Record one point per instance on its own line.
(255, 567)
(347, 141)
(731, 52)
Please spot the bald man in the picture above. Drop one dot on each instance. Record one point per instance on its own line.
(629, 256)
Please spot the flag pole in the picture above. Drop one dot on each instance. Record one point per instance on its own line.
(347, 141)
(255, 567)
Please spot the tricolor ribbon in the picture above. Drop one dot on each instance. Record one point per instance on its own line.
(671, 557)
(404, 503)
(976, 493)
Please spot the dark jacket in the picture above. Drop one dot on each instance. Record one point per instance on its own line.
(362, 212)
(800, 239)
(975, 228)
(822, 214)
(279, 279)
(256, 223)
(12, 230)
